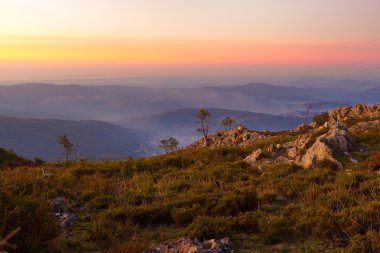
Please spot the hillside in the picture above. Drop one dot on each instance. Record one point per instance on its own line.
(263, 195)
(94, 139)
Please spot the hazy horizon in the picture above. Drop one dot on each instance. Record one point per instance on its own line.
(198, 82)
(246, 41)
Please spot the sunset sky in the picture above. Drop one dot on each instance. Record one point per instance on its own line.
(56, 39)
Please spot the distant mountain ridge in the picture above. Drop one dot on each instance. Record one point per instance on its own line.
(95, 140)
(153, 111)
(113, 103)
(101, 140)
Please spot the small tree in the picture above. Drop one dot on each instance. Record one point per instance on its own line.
(228, 122)
(169, 145)
(67, 145)
(173, 144)
(164, 145)
(308, 108)
(203, 117)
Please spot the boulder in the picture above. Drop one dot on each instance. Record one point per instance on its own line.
(273, 149)
(254, 157)
(309, 148)
(338, 140)
(292, 153)
(61, 211)
(318, 152)
(193, 245)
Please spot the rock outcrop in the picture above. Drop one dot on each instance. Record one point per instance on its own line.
(364, 126)
(323, 143)
(358, 111)
(324, 147)
(318, 152)
(193, 245)
(254, 157)
(238, 136)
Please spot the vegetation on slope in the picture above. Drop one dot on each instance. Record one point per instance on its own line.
(126, 206)
(9, 158)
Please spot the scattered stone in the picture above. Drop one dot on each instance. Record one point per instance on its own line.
(238, 136)
(313, 124)
(61, 211)
(353, 160)
(193, 245)
(282, 160)
(282, 198)
(254, 157)
(364, 126)
(292, 153)
(272, 148)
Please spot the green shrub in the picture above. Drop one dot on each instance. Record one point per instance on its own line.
(9, 159)
(107, 231)
(275, 228)
(182, 216)
(205, 227)
(150, 215)
(368, 243)
(33, 216)
(321, 118)
(39, 161)
(333, 227)
(373, 163)
(327, 164)
(364, 215)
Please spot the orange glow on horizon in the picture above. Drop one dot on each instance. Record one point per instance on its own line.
(176, 52)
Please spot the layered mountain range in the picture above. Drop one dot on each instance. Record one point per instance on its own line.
(102, 119)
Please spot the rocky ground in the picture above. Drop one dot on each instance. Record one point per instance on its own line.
(238, 136)
(315, 142)
(193, 245)
(328, 142)
(358, 111)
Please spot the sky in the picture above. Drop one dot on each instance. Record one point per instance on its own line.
(256, 39)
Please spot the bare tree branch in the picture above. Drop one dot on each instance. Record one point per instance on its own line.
(6, 239)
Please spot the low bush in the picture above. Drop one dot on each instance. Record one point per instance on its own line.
(321, 119)
(373, 163)
(368, 243)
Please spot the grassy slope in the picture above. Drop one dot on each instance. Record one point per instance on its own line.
(128, 205)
